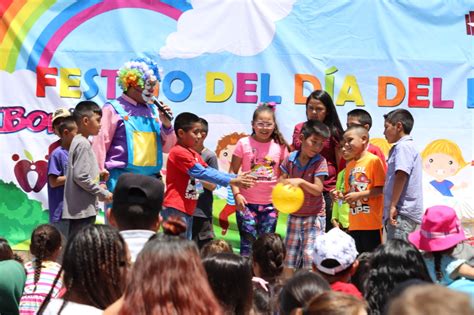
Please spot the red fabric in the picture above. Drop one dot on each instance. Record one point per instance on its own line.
(375, 150)
(348, 288)
(180, 160)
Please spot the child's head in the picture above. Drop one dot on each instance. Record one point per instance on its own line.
(386, 271)
(398, 123)
(313, 134)
(168, 277)
(442, 158)
(359, 117)
(268, 256)
(335, 303)
(320, 107)
(67, 129)
(335, 256)
(438, 220)
(301, 288)
(230, 277)
(264, 126)
(356, 140)
(58, 116)
(431, 299)
(204, 131)
(187, 127)
(359, 278)
(6, 251)
(45, 245)
(214, 247)
(87, 115)
(137, 202)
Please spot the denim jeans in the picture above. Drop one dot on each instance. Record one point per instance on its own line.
(404, 226)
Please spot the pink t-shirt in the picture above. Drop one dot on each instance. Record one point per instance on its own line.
(263, 159)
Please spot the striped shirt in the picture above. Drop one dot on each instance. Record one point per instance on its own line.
(32, 299)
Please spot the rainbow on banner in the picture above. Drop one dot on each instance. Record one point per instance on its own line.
(19, 17)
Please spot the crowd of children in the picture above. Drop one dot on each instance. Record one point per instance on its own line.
(333, 259)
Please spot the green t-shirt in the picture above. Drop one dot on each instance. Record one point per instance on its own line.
(340, 210)
(12, 281)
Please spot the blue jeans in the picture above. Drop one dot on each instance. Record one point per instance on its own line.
(404, 226)
(187, 219)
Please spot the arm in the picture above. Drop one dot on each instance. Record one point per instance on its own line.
(296, 144)
(399, 183)
(357, 195)
(168, 138)
(56, 181)
(315, 188)
(81, 172)
(101, 142)
(464, 270)
(211, 175)
(211, 162)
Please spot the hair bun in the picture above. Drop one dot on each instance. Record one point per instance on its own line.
(174, 225)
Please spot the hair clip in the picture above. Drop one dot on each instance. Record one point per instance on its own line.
(272, 105)
(261, 282)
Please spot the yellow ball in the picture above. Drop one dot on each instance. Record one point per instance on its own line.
(287, 198)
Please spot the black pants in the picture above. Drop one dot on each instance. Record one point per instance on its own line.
(202, 231)
(328, 201)
(366, 240)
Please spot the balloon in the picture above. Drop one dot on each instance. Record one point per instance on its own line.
(287, 198)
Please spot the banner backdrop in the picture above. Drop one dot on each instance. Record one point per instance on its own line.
(220, 59)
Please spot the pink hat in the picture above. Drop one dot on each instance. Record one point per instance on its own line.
(440, 230)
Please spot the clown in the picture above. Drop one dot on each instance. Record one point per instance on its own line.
(131, 138)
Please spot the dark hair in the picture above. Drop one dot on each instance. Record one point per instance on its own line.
(262, 302)
(276, 135)
(137, 214)
(6, 251)
(230, 277)
(302, 287)
(205, 124)
(94, 267)
(45, 242)
(392, 263)
(216, 246)
(66, 123)
(314, 127)
(331, 264)
(86, 109)
(332, 119)
(362, 115)
(269, 252)
(359, 278)
(168, 277)
(437, 256)
(402, 116)
(185, 121)
(334, 303)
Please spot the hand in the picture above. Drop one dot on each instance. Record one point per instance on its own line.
(164, 120)
(351, 197)
(104, 175)
(292, 181)
(244, 180)
(393, 216)
(335, 223)
(336, 195)
(240, 202)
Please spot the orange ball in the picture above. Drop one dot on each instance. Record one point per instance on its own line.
(287, 198)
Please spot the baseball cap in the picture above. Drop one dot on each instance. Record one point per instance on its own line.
(60, 113)
(336, 245)
(137, 189)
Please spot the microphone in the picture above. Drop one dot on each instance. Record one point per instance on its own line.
(160, 104)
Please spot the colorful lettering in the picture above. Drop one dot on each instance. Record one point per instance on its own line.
(243, 87)
(211, 79)
(414, 91)
(300, 81)
(400, 92)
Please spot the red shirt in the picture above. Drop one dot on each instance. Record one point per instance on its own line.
(181, 192)
(348, 288)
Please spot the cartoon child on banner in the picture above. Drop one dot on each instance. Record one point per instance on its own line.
(443, 159)
(224, 150)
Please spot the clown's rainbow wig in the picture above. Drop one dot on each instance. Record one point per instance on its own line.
(136, 72)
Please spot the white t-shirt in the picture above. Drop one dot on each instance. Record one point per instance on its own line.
(71, 308)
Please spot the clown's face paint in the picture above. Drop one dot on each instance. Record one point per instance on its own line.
(147, 93)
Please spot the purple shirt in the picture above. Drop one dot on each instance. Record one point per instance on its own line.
(57, 165)
(110, 145)
(404, 157)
